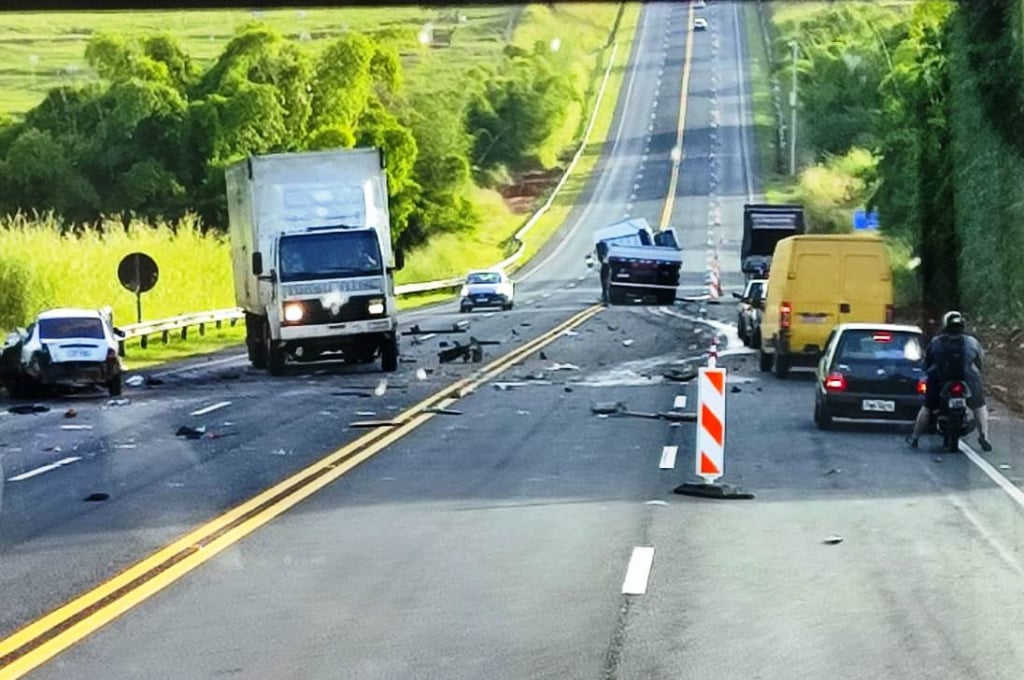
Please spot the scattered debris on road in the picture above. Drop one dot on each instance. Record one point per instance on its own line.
(117, 402)
(351, 393)
(366, 413)
(608, 408)
(408, 360)
(442, 411)
(381, 387)
(76, 427)
(563, 367)
(543, 355)
(658, 503)
(567, 389)
(421, 374)
(833, 471)
(735, 388)
(190, 432)
(570, 334)
(376, 423)
(25, 409)
(1004, 466)
(627, 343)
(96, 497)
(70, 413)
(685, 374)
(521, 412)
(833, 540)
(135, 381)
(279, 452)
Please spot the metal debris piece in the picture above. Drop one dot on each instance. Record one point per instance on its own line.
(521, 412)
(735, 388)
(567, 389)
(350, 393)
(1004, 466)
(570, 333)
(681, 375)
(443, 411)
(135, 381)
(118, 402)
(627, 343)
(96, 497)
(468, 352)
(613, 327)
(381, 387)
(543, 355)
(376, 423)
(833, 471)
(366, 413)
(70, 413)
(279, 452)
(76, 427)
(190, 432)
(678, 416)
(537, 375)
(658, 503)
(421, 374)
(151, 381)
(407, 360)
(23, 409)
(563, 367)
(833, 540)
(608, 408)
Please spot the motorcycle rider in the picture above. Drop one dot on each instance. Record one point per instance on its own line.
(938, 350)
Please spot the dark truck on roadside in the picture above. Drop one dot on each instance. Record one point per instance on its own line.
(638, 265)
(764, 225)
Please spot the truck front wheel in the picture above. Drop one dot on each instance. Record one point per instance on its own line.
(389, 354)
(275, 355)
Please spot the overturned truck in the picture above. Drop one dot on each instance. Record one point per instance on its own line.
(638, 265)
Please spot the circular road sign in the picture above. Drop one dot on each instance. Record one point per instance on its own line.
(138, 272)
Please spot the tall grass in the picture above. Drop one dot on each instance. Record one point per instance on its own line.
(56, 268)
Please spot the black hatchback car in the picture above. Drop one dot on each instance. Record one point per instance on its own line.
(870, 372)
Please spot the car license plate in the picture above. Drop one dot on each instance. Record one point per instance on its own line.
(79, 353)
(878, 405)
(958, 402)
(481, 298)
(814, 318)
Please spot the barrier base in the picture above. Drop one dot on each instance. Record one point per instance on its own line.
(719, 491)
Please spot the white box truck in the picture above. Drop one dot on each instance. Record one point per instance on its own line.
(312, 256)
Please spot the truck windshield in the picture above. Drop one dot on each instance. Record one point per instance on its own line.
(306, 257)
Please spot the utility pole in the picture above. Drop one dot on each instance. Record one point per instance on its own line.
(792, 107)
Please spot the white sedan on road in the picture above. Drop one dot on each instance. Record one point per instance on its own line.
(487, 288)
(69, 347)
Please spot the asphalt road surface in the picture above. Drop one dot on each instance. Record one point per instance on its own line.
(494, 541)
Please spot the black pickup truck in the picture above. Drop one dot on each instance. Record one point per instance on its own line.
(638, 265)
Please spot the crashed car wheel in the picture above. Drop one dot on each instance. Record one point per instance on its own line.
(115, 386)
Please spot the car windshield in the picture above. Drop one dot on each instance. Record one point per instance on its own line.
(308, 257)
(67, 328)
(874, 346)
(484, 277)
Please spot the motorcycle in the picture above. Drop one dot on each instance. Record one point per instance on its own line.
(953, 419)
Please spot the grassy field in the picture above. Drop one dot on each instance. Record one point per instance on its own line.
(41, 50)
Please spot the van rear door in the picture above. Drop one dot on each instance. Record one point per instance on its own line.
(813, 290)
(866, 285)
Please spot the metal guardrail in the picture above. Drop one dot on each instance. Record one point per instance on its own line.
(218, 317)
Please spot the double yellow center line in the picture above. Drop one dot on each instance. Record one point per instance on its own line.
(51, 634)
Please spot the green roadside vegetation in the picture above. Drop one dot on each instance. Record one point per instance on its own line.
(48, 260)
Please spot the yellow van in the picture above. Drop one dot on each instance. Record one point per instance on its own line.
(817, 281)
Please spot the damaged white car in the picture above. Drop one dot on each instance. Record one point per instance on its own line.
(63, 347)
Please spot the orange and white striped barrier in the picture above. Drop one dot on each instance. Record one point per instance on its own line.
(710, 460)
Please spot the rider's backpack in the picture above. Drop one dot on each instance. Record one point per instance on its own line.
(951, 363)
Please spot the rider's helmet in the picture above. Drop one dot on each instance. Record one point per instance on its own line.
(953, 322)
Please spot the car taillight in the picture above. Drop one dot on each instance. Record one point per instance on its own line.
(957, 389)
(922, 386)
(111, 355)
(835, 382)
(890, 313)
(785, 315)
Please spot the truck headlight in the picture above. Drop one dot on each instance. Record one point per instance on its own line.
(293, 311)
(375, 307)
